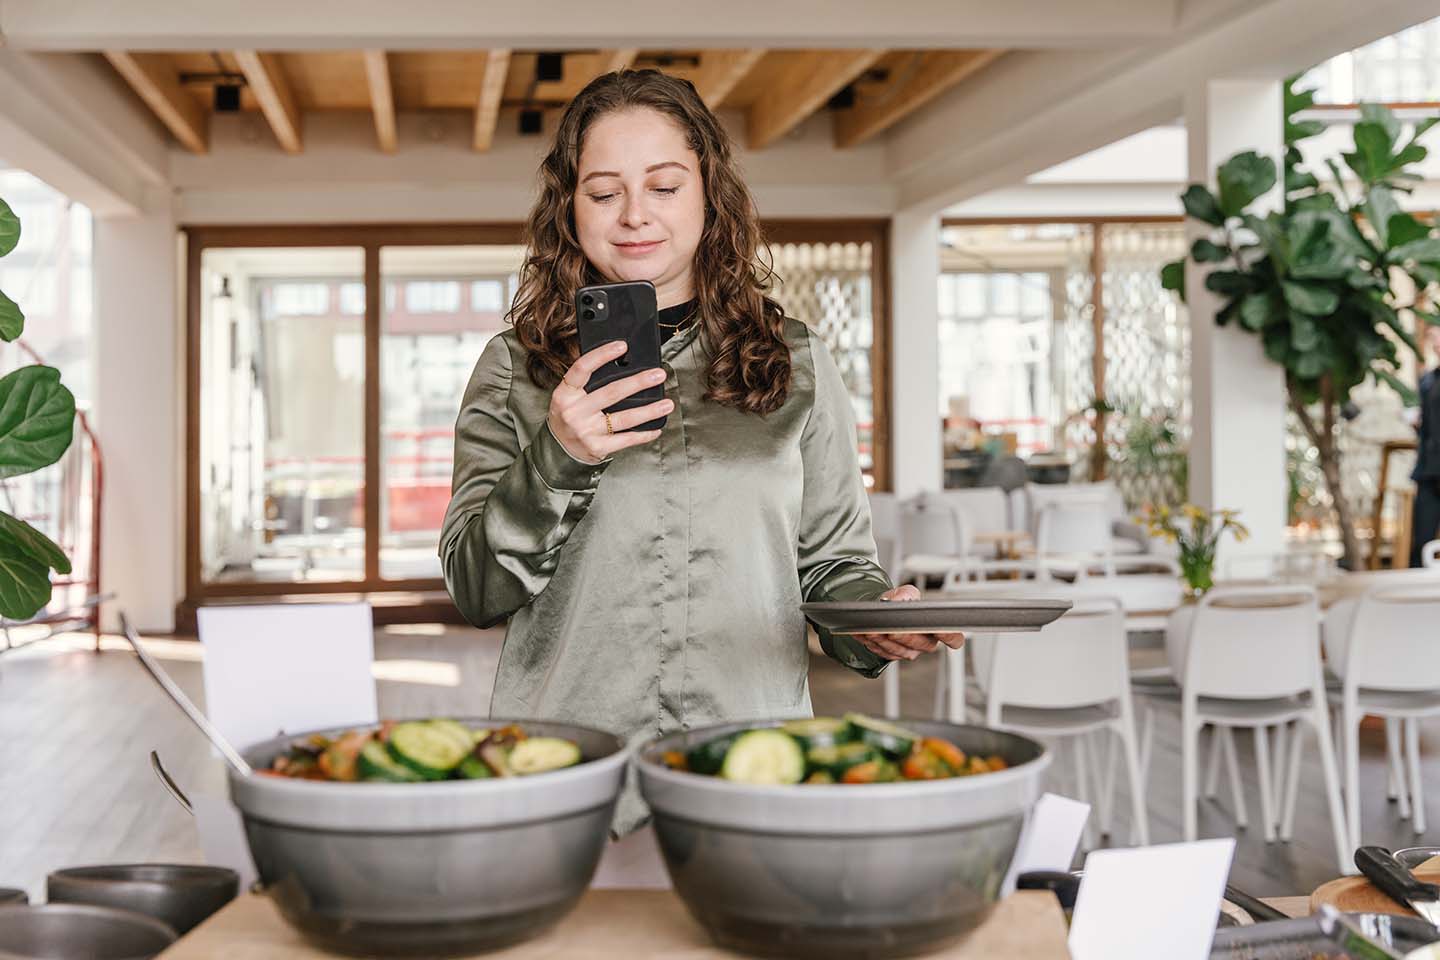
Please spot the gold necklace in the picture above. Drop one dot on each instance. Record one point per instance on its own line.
(676, 326)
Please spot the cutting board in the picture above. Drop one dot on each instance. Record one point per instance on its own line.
(1358, 895)
(622, 925)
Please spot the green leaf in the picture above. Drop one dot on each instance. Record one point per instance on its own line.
(37, 419)
(1380, 116)
(1380, 208)
(1172, 277)
(33, 543)
(1205, 251)
(1309, 365)
(1404, 229)
(1299, 180)
(1242, 179)
(1413, 153)
(1309, 298)
(1228, 283)
(1304, 335)
(24, 582)
(1422, 126)
(1297, 130)
(1426, 250)
(1255, 311)
(1297, 99)
(1200, 203)
(9, 229)
(1406, 392)
(1277, 343)
(1339, 179)
(12, 319)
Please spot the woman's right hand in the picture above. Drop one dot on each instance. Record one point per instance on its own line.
(578, 418)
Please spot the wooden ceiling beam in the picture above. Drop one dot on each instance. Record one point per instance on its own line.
(803, 87)
(930, 74)
(382, 98)
(153, 77)
(721, 71)
(492, 90)
(272, 91)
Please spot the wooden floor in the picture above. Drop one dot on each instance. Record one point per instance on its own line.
(76, 729)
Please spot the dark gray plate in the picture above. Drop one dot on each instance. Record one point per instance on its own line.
(973, 614)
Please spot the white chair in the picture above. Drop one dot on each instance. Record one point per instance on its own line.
(885, 527)
(1383, 648)
(1071, 682)
(1250, 659)
(1430, 554)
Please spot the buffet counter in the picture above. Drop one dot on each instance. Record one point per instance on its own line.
(1028, 925)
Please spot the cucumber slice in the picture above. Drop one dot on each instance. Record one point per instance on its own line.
(818, 732)
(764, 757)
(709, 756)
(836, 760)
(429, 752)
(542, 754)
(375, 763)
(457, 731)
(893, 741)
(473, 768)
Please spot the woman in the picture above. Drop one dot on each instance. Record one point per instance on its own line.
(653, 579)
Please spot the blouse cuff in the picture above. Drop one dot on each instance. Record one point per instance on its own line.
(558, 468)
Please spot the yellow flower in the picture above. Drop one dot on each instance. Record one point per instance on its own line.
(1193, 512)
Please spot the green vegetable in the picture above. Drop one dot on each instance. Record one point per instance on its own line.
(709, 756)
(375, 763)
(836, 760)
(473, 768)
(764, 757)
(893, 741)
(430, 752)
(457, 731)
(543, 754)
(818, 732)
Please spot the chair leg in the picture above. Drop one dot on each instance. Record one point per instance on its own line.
(1395, 768)
(1212, 769)
(1147, 740)
(1139, 810)
(1417, 790)
(942, 683)
(1190, 773)
(1350, 723)
(1114, 746)
(1278, 754)
(954, 667)
(892, 690)
(1082, 786)
(1232, 770)
(1262, 767)
(1344, 841)
(1292, 784)
(1102, 769)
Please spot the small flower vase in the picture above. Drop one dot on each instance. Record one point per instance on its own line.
(1197, 569)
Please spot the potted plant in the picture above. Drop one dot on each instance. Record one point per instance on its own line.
(37, 422)
(1197, 533)
(1316, 279)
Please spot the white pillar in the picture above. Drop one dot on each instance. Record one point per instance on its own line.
(915, 433)
(1237, 446)
(139, 389)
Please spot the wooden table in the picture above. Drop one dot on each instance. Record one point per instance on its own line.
(1007, 543)
(621, 924)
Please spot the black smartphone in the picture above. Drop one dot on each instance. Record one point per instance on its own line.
(622, 311)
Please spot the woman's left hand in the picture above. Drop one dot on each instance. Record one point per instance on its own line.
(907, 646)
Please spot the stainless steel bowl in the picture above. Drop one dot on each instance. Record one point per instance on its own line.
(432, 869)
(181, 895)
(69, 931)
(883, 870)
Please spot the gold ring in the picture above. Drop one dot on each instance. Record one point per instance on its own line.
(609, 428)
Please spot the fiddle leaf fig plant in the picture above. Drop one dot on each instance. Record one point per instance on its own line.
(1315, 280)
(37, 423)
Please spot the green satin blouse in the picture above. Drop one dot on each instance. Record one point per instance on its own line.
(661, 589)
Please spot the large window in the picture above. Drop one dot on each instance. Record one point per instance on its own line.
(327, 370)
(1401, 68)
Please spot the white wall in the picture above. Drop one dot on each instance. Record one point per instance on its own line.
(139, 413)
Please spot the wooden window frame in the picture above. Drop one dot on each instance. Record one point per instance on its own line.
(371, 238)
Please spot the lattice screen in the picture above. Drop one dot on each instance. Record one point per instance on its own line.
(829, 287)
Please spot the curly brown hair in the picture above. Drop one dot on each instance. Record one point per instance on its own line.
(741, 328)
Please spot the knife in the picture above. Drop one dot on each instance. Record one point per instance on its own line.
(1395, 879)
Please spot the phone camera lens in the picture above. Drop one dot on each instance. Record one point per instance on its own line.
(588, 314)
(587, 300)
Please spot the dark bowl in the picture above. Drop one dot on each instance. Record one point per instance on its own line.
(70, 931)
(13, 895)
(181, 895)
(448, 868)
(884, 870)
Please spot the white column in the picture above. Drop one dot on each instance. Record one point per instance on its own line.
(139, 389)
(915, 433)
(1237, 446)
